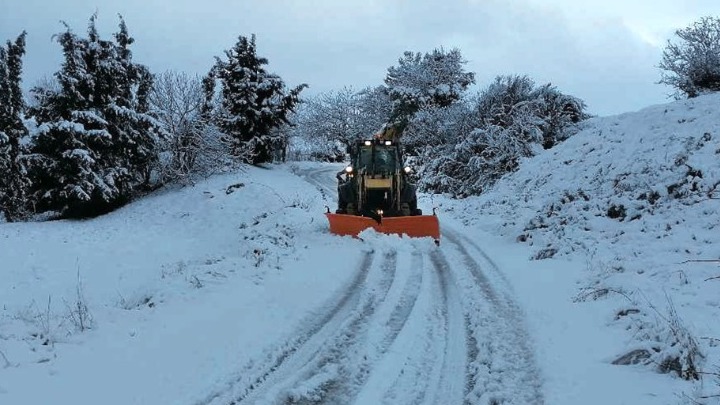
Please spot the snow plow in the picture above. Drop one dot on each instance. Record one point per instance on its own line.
(376, 192)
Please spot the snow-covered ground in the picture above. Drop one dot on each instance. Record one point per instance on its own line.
(180, 288)
(233, 290)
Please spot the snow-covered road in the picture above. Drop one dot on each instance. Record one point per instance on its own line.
(418, 324)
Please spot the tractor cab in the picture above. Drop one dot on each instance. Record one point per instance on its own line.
(375, 157)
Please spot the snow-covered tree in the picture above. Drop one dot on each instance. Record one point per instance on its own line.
(253, 102)
(692, 65)
(437, 78)
(306, 141)
(96, 142)
(343, 116)
(328, 124)
(514, 120)
(13, 176)
(434, 127)
(330, 116)
(375, 107)
(192, 147)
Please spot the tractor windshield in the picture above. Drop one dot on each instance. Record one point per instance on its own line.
(384, 159)
(377, 158)
(365, 157)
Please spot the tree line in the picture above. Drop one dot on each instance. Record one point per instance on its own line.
(105, 130)
(459, 143)
(462, 143)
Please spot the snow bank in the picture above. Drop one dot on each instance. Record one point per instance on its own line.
(173, 292)
(636, 196)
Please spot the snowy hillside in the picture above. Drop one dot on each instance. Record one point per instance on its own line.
(638, 197)
(168, 294)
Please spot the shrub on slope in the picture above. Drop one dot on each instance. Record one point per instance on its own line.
(636, 194)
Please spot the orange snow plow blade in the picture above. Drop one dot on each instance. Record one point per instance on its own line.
(414, 226)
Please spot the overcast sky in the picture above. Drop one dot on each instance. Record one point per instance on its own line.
(603, 51)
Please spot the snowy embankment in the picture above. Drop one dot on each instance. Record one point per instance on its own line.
(637, 198)
(165, 296)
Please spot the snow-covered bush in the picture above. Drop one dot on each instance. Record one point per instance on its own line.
(193, 145)
(302, 149)
(435, 127)
(692, 65)
(559, 113)
(514, 120)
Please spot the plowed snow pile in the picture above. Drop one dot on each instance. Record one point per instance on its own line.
(638, 197)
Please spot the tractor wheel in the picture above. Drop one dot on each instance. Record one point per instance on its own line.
(413, 207)
(342, 205)
(350, 209)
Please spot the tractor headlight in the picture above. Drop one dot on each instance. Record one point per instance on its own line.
(408, 169)
(388, 142)
(349, 169)
(368, 143)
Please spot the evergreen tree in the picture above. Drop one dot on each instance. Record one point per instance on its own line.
(13, 176)
(253, 102)
(96, 142)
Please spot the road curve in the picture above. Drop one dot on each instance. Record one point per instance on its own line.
(418, 324)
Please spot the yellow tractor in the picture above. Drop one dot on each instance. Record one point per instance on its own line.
(377, 192)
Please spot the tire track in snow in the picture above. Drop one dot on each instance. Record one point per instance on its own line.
(348, 355)
(251, 378)
(395, 348)
(501, 366)
(322, 178)
(318, 372)
(405, 374)
(427, 363)
(493, 266)
(452, 382)
(398, 318)
(447, 335)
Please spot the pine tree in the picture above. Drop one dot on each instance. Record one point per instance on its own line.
(13, 176)
(96, 143)
(253, 101)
